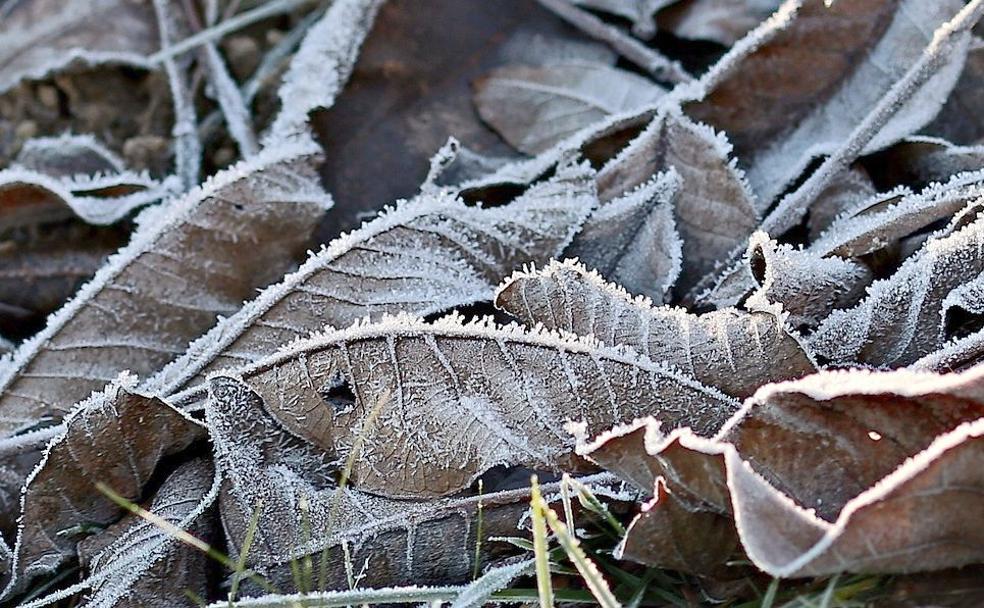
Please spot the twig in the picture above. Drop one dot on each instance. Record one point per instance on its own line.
(240, 21)
(638, 53)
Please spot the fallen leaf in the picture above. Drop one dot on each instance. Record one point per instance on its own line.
(115, 437)
(957, 120)
(722, 21)
(899, 320)
(846, 471)
(640, 12)
(535, 107)
(826, 65)
(135, 563)
(303, 513)
(156, 294)
(454, 400)
(428, 255)
(731, 350)
(715, 211)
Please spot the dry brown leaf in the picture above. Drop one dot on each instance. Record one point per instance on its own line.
(115, 437)
(920, 161)
(844, 471)
(303, 513)
(734, 351)
(847, 192)
(715, 211)
(158, 293)
(428, 255)
(135, 563)
(535, 107)
(433, 406)
(826, 65)
(957, 121)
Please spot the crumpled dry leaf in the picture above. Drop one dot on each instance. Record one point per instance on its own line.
(731, 350)
(715, 210)
(920, 161)
(535, 107)
(303, 513)
(847, 192)
(633, 240)
(139, 564)
(68, 155)
(845, 471)
(39, 37)
(806, 285)
(961, 311)
(900, 319)
(115, 437)
(827, 66)
(454, 400)
(429, 254)
(156, 294)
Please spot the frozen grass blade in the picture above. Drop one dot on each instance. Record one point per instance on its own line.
(543, 584)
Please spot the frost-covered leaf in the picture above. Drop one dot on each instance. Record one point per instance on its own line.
(633, 240)
(961, 314)
(899, 320)
(429, 254)
(808, 286)
(723, 21)
(407, 541)
(826, 65)
(115, 437)
(38, 37)
(136, 563)
(920, 160)
(640, 12)
(534, 107)
(529, 48)
(715, 210)
(818, 474)
(191, 259)
(329, 50)
(454, 400)
(732, 350)
(98, 199)
(68, 155)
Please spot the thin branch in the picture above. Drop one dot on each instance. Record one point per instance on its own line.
(625, 45)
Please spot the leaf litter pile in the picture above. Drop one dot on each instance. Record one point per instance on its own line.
(625, 302)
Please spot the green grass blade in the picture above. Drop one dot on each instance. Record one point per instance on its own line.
(543, 584)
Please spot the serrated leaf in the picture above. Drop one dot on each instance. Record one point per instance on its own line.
(731, 350)
(715, 211)
(633, 239)
(454, 400)
(535, 107)
(899, 320)
(827, 65)
(115, 437)
(421, 541)
(818, 473)
(429, 254)
(157, 293)
(806, 285)
(139, 564)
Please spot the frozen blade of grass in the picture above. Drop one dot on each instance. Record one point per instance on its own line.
(588, 570)
(338, 599)
(237, 575)
(478, 593)
(543, 585)
(770, 594)
(826, 601)
(590, 502)
(231, 102)
(478, 531)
